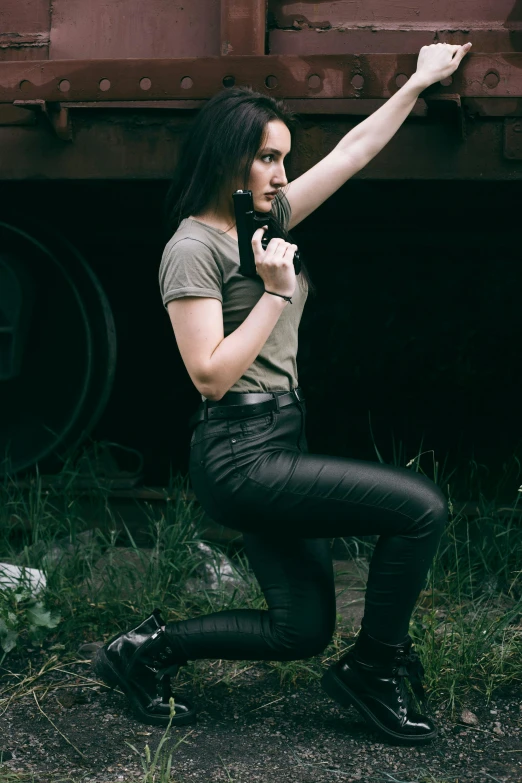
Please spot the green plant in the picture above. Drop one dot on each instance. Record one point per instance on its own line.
(23, 615)
(157, 768)
(466, 624)
(292, 672)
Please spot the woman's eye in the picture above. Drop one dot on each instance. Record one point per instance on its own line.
(268, 156)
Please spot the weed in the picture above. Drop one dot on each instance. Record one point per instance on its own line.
(157, 768)
(466, 625)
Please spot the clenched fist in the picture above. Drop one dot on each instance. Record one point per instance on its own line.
(438, 61)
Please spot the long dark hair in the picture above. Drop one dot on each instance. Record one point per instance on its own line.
(219, 150)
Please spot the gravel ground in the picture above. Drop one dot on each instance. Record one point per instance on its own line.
(249, 730)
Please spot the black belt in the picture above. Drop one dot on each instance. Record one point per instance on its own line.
(238, 405)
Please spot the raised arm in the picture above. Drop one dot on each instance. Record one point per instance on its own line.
(362, 143)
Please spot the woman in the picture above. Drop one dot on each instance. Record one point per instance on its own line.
(249, 463)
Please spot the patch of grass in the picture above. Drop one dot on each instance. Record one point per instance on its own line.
(157, 768)
(8, 776)
(466, 626)
(99, 580)
(468, 622)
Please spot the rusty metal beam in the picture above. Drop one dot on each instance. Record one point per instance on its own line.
(372, 39)
(494, 107)
(420, 151)
(318, 76)
(243, 27)
(362, 107)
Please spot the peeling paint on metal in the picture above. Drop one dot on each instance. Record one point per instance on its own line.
(491, 25)
(299, 69)
(19, 40)
(108, 40)
(435, 13)
(332, 83)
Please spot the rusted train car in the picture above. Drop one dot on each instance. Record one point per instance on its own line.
(418, 265)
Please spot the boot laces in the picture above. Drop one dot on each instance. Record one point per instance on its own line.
(411, 667)
(163, 684)
(169, 671)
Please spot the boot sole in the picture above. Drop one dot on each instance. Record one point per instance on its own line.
(103, 668)
(338, 690)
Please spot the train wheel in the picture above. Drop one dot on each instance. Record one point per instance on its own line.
(57, 347)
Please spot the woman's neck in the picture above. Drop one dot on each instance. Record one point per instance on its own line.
(218, 220)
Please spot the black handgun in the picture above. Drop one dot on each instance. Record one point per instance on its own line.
(247, 222)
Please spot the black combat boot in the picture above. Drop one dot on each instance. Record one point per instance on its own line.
(141, 663)
(371, 678)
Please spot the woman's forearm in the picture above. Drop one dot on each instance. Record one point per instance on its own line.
(237, 352)
(370, 136)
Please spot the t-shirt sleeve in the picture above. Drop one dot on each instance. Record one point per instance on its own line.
(188, 268)
(282, 209)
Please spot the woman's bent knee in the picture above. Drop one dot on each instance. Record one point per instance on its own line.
(436, 520)
(440, 506)
(430, 516)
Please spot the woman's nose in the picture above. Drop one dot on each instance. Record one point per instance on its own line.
(279, 178)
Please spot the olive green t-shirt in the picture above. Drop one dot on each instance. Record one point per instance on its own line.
(200, 260)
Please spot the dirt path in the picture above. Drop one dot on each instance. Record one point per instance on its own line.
(250, 730)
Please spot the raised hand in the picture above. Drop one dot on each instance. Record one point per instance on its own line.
(438, 61)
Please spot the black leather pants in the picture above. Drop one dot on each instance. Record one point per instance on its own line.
(256, 475)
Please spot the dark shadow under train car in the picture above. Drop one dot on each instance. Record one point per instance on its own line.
(416, 259)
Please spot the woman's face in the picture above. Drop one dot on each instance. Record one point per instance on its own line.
(267, 174)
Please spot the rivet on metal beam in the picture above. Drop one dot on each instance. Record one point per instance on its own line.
(105, 85)
(492, 79)
(186, 83)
